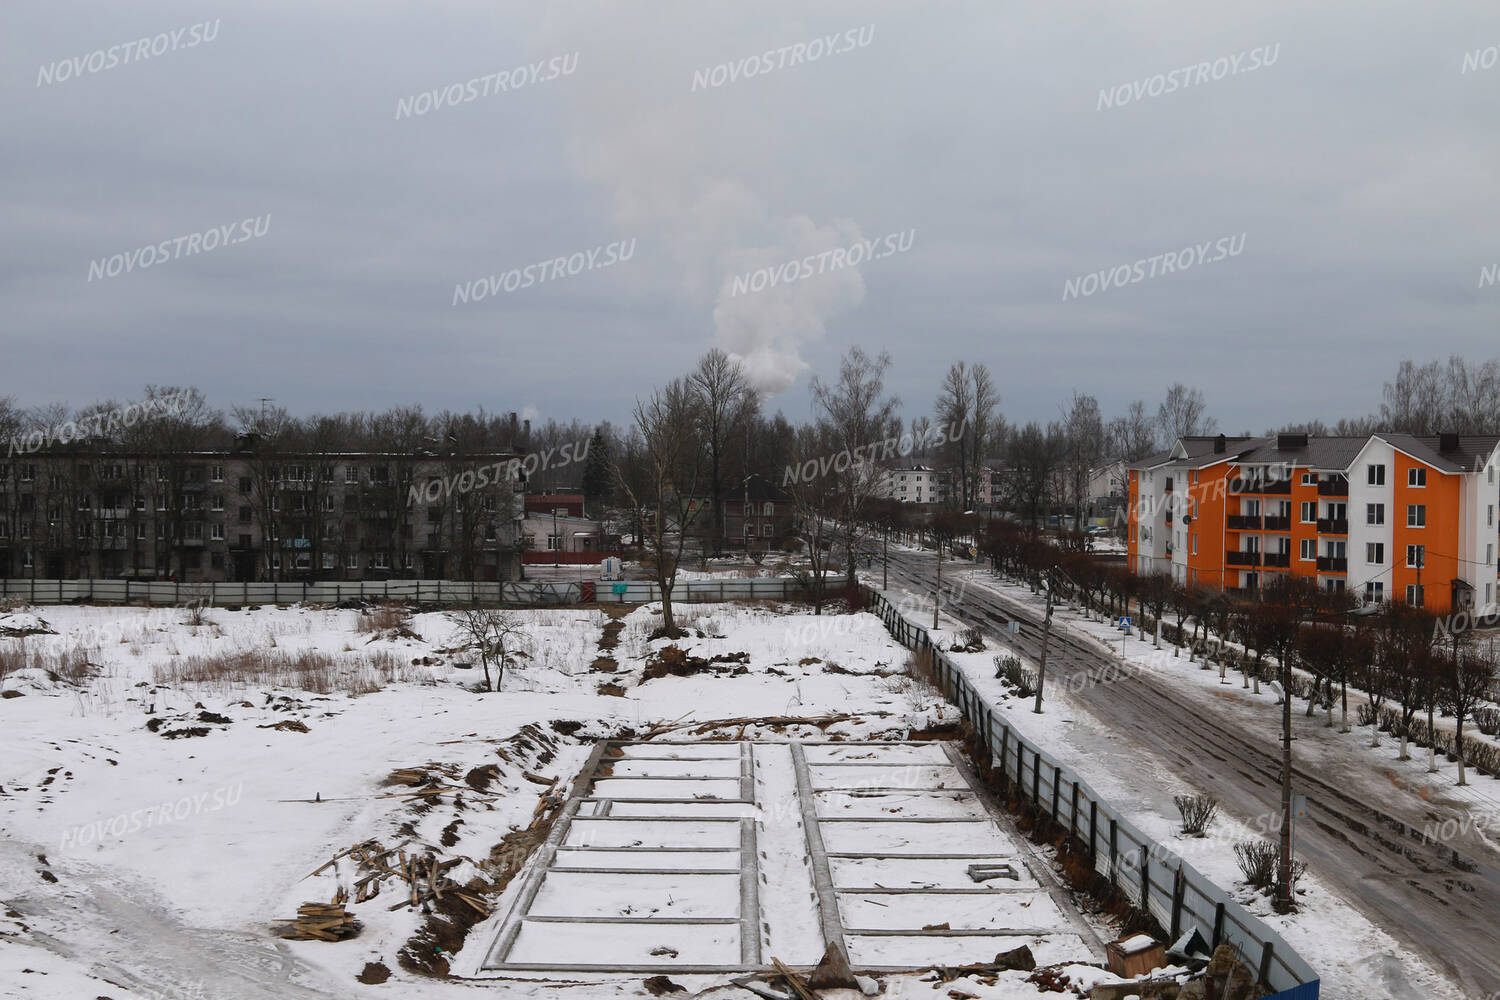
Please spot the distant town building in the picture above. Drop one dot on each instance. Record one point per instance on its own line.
(256, 513)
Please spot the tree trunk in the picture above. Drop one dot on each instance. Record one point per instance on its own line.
(1431, 743)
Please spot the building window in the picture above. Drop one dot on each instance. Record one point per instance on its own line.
(351, 561)
(1195, 543)
(244, 484)
(382, 560)
(1309, 511)
(1375, 592)
(1489, 518)
(351, 475)
(327, 560)
(1375, 553)
(768, 509)
(328, 503)
(1308, 549)
(245, 515)
(193, 531)
(554, 543)
(1416, 477)
(1374, 513)
(217, 531)
(217, 503)
(1414, 595)
(765, 530)
(1416, 515)
(1416, 555)
(1309, 479)
(1489, 553)
(1375, 475)
(216, 473)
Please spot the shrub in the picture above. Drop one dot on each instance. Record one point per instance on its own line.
(1257, 860)
(1364, 715)
(383, 618)
(1197, 811)
(1021, 680)
(1488, 720)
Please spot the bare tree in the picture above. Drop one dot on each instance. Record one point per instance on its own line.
(966, 416)
(857, 413)
(725, 400)
(494, 635)
(1035, 455)
(668, 424)
(1083, 429)
(1182, 414)
(1465, 678)
(1132, 436)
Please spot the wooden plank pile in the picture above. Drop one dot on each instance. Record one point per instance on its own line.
(322, 921)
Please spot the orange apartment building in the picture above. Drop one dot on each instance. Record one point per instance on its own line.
(1390, 516)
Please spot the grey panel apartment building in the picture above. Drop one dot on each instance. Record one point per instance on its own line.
(254, 514)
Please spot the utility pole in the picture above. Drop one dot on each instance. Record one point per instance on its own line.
(1284, 875)
(885, 557)
(1041, 673)
(937, 594)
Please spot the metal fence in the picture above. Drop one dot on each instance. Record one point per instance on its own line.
(1151, 876)
(528, 592)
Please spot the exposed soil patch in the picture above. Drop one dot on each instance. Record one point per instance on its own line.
(374, 974)
(674, 661)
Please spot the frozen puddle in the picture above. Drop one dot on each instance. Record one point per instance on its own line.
(717, 857)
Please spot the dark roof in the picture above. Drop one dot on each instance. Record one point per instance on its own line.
(1338, 453)
(1197, 447)
(1318, 453)
(1470, 455)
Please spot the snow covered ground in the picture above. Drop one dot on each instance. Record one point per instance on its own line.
(167, 788)
(1355, 958)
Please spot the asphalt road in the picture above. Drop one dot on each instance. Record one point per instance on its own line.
(1441, 901)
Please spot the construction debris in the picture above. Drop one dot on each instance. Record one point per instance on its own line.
(321, 922)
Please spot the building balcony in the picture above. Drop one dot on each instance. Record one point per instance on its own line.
(1276, 560)
(1333, 487)
(1242, 558)
(1243, 522)
(1281, 523)
(1333, 564)
(1267, 487)
(1333, 526)
(1169, 517)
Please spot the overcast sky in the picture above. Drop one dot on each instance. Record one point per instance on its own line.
(1360, 167)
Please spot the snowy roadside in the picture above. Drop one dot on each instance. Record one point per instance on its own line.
(1355, 958)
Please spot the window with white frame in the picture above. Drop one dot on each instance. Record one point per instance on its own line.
(351, 561)
(1416, 555)
(1309, 511)
(1374, 513)
(351, 474)
(1414, 595)
(1375, 553)
(1375, 475)
(328, 560)
(216, 473)
(1416, 515)
(1416, 476)
(382, 560)
(1375, 591)
(1308, 549)
(216, 531)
